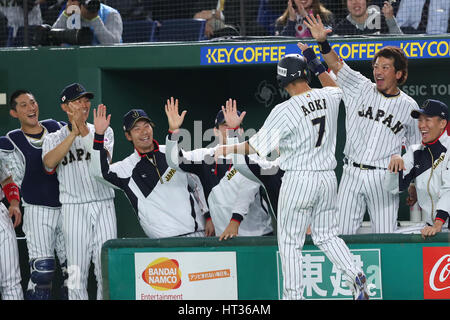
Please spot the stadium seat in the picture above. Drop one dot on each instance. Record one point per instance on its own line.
(138, 31)
(182, 30)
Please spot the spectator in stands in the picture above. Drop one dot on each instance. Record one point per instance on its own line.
(412, 16)
(215, 22)
(13, 11)
(105, 21)
(290, 23)
(367, 20)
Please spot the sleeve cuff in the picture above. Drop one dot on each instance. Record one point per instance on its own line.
(173, 135)
(442, 215)
(237, 217)
(99, 141)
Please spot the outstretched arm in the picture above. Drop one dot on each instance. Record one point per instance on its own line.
(320, 33)
(316, 66)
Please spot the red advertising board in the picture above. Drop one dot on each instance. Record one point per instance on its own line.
(436, 272)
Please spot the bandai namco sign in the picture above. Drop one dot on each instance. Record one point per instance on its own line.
(163, 274)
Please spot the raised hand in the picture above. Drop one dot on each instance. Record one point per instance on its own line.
(318, 30)
(173, 117)
(388, 10)
(232, 119)
(300, 8)
(71, 111)
(101, 120)
(302, 46)
(291, 10)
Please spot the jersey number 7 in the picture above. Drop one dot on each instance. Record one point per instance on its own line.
(321, 122)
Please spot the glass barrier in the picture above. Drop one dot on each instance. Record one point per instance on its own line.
(106, 22)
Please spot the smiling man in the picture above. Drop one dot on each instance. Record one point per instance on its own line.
(378, 123)
(427, 165)
(168, 202)
(88, 213)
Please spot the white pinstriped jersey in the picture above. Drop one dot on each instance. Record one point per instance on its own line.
(304, 129)
(377, 126)
(76, 183)
(4, 173)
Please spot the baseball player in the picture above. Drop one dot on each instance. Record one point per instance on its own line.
(235, 202)
(427, 165)
(378, 123)
(21, 149)
(87, 209)
(10, 288)
(165, 200)
(304, 130)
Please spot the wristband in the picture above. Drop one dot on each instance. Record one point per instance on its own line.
(11, 191)
(237, 217)
(324, 47)
(309, 54)
(99, 139)
(316, 67)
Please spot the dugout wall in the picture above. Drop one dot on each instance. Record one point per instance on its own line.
(202, 75)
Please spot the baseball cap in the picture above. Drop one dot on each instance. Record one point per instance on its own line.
(133, 116)
(73, 92)
(432, 108)
(220, 118)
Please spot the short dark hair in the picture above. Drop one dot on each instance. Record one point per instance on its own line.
(400, 60)
(15, 95)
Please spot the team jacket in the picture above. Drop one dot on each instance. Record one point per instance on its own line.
(24, 157)
(428, 165)
(267, 173)
(165, 200)
(230, 195)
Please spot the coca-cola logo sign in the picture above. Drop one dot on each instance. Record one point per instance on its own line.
(436, 272)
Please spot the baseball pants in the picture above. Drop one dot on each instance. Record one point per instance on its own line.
(10, 287)
(43, 229)
(360, 190)
(86, 227)
(308, 198)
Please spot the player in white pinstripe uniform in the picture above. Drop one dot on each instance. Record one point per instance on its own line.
(21, 149)
(378, 123)
(88, 211)
(304, 130)
(10, 288)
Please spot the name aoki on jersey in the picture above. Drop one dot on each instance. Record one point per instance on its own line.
(379, 115)
(80, 153)
(314, 106)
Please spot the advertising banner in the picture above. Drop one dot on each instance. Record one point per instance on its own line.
(436, 272)
(185, 275)
(322, 280)
(364, 50)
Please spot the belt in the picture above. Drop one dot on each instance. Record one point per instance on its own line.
(362, 166)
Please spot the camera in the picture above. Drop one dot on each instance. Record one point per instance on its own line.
(92, 6)
(44, 35)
